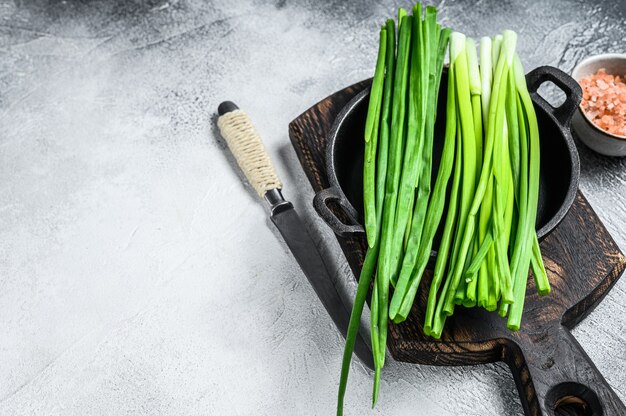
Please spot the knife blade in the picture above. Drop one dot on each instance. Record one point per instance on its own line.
(246, 145)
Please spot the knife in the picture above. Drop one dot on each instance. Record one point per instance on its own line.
(246, 145)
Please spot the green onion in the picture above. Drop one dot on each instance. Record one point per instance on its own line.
(479, 257)
(424, 226)
(458, 55)
(451, 219)
(381, 164)
(486, 75)
(413, 146)
(371, 141)
(539, 270)
(521, 273)
(365, 279)
(393, 177)
(491, 150)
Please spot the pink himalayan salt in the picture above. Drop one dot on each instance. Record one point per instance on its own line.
(604, 101)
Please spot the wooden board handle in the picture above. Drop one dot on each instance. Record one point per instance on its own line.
(245, 144)
(563, 379)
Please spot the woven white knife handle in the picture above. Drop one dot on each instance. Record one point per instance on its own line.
(246, 145)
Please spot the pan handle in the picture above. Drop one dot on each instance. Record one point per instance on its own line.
(320, 202)
(573, 92)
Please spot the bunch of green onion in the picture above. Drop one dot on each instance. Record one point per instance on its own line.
(488, 178)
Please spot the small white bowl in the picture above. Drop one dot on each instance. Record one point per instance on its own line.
(593, 136)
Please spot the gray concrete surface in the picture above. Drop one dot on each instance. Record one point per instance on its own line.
(139, 276)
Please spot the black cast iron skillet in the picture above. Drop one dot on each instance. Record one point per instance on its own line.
(560, 166)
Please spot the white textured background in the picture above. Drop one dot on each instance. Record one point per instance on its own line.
(139, 276)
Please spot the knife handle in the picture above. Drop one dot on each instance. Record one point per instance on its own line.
(245, 144)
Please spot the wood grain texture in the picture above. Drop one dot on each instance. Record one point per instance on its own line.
(551, 370)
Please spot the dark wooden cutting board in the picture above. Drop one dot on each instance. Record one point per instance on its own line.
(552, 372)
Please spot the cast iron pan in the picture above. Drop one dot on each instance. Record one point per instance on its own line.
(560, 166)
